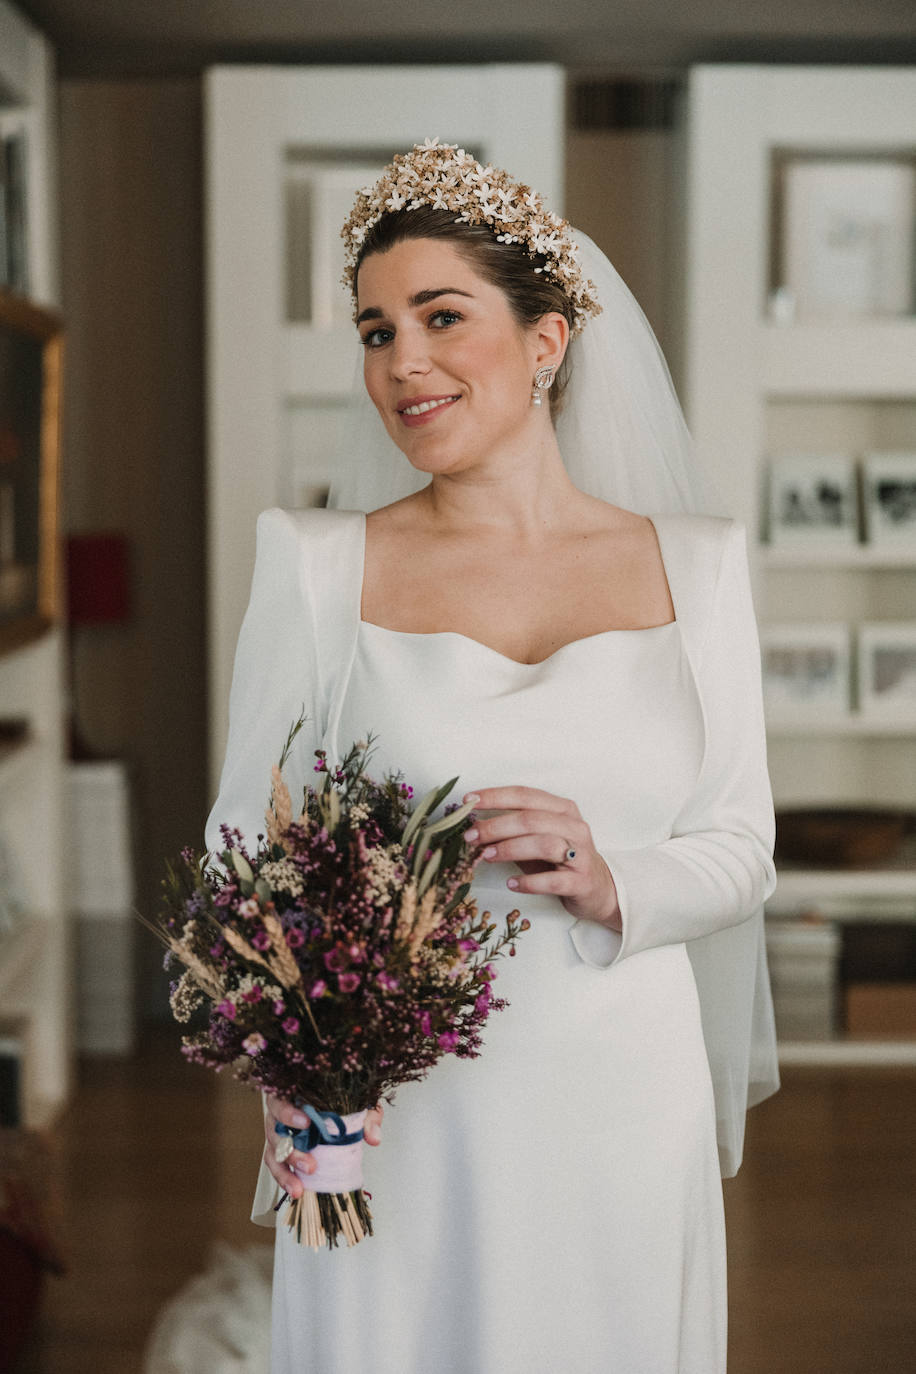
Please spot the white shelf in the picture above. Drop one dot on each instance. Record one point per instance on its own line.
(853, 556)
(866, 359)
(844, 894)
(841, 725)
(852, 1052)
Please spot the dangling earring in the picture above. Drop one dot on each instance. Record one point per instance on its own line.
(543, 380)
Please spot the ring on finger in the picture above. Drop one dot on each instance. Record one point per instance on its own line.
(570, 854)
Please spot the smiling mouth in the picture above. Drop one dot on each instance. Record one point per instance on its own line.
(421, 407)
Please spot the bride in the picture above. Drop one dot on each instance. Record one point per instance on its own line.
(530, 589)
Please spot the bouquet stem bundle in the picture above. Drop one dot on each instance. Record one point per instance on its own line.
(344, 957)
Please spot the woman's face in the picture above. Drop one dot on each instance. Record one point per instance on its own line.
(446, 364)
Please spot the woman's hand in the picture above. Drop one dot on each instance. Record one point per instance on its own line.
(280, 1110)
(552, 845)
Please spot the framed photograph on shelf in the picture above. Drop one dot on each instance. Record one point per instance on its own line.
(807, 669)
(846, 241)
(813, 497)
(889, 499)
(30, 381)
(887, 669)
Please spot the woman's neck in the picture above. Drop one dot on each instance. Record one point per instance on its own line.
(519, 495)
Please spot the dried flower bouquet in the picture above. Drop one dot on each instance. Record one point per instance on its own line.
(343, 958)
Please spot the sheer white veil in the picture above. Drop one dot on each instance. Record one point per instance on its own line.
(621, 430)
(624, 439)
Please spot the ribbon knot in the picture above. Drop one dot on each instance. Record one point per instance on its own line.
(318, 1132)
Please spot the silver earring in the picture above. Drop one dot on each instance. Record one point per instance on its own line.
(543, 380)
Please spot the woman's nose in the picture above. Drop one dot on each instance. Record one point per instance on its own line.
(408, 356)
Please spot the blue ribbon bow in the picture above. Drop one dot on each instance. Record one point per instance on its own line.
(317, 1132)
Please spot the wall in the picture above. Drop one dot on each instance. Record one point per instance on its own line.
(133, 444)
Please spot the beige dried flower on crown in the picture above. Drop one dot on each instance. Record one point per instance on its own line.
(445, 177)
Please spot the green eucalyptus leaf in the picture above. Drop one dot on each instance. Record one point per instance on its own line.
(242, 866)
(429, 872)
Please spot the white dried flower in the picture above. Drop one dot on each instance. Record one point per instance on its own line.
(446, 177)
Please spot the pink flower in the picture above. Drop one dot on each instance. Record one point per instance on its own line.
(448, 1041)
(254, 995)
(291, 1025)
(318, 989)
(390, 984)
(227, 1009)
(426, 1025)
(334, 961)
(294, 937)
(254, 1043)
(483, 1001)
(261, 940)
(468, 945)
(348, 982)
(279, 1008)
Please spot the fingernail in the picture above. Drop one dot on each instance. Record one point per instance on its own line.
(471, 835)
(512, 882)
(300, 1119)
(470, 798)
(490, 852)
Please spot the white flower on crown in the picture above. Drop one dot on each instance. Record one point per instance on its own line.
(445, 177)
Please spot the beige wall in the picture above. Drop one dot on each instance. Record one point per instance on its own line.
(619, 190)
(134, 445)
(133, 442)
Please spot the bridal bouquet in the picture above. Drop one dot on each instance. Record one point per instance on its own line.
(343, 958)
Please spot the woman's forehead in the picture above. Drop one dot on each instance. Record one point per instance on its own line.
(413, 266)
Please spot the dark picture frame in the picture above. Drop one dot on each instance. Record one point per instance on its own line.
(31, 345)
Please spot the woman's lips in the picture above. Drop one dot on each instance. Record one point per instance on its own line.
(424, 409)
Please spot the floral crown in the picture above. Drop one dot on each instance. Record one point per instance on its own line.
(445, 177)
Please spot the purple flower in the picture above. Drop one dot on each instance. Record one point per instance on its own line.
(468, 945)
(448, 1041)
(291, 1025)
(294, 937)
(426, 1025)
(482, 1004)
(386, 981)
(348, 982)
(334, 961)
(261, 940)
(227, 1009)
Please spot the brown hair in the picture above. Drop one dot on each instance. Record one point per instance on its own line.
(506, 265)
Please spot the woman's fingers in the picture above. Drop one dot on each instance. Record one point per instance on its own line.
(516, 798)
(549, 849)
(372, 1129)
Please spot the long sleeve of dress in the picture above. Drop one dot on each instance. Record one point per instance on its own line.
(273, 683)
(716, 869)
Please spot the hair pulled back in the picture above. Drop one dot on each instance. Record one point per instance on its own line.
(530, 295)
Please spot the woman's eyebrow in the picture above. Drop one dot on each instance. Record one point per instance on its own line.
(421, 298)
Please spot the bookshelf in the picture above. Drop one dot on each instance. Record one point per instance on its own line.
(758, 385)
(34, 960)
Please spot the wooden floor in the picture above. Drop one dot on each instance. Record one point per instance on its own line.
(156, 1161)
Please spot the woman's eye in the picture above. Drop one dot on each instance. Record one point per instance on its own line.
(376, 337)
(443, 318)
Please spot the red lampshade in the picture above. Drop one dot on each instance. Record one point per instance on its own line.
(98, 579)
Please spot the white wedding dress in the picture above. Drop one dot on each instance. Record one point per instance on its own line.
(556, 1203)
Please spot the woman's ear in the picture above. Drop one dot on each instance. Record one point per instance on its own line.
(551, 334)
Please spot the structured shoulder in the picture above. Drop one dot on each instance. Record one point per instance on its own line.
(692, 548)
(317, 528)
